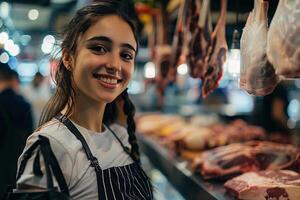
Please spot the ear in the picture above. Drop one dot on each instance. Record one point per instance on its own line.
(67, 60)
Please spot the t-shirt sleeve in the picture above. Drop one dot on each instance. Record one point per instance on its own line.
(29, 179)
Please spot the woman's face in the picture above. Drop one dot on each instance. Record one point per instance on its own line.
(104, 60)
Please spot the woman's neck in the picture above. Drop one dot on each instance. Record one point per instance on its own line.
(88, 114)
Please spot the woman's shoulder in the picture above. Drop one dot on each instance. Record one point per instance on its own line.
(59, 137)
(118, 129)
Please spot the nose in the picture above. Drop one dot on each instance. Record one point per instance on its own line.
(114, 66)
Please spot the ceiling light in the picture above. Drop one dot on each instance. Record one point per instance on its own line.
(149, 70)
(4, 10)
(15, 50)
(33, 14)
(234, 57)
(182, 69)
(3, 37)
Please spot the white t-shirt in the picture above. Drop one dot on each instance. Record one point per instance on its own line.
(79, 174)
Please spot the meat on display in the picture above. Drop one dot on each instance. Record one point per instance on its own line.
(257, 74)
(265, 185)
(217, 54)
(237, 158)
(283, 46)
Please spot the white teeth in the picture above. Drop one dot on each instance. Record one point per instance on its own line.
(109, 80)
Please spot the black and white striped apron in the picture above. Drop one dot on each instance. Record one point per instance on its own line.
(128, 182)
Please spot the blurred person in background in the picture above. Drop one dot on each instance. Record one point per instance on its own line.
(15, 124)
(37, 93)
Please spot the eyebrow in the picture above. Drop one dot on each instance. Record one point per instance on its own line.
(108, 40)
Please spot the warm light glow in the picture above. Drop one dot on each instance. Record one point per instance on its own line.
(182, 69)
(234, 62)
(33, 14)
(149, 70)
(4, 57)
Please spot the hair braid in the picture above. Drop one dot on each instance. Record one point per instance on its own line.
(129, 110)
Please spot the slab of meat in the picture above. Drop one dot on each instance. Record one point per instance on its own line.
(238, 158)
(200, 41)
(257, 74)
(265, 185)
(218, 135)
(217, 54)
(177, 56)
(283, 44)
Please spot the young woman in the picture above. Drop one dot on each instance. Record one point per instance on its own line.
(98, 53)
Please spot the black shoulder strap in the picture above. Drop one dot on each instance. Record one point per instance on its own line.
(50, 162)
(93, 159)
(126, 149)
(75, 131)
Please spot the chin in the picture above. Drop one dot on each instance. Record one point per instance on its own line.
(107, 99)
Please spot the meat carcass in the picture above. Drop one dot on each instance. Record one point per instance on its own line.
(265, 185)
(283, 44)
(200, 41)
(217, 54)
(238, 158)
(257, 74)
(178, 39)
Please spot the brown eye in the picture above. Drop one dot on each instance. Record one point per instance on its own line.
(99, 49)
(126, 56)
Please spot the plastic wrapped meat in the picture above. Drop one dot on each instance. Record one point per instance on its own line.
(283, 44)
(257, 74)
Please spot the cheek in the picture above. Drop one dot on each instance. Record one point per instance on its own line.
(128, 71)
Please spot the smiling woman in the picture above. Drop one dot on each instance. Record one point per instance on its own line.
(98, 157)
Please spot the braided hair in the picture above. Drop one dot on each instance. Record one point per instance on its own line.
(110, 116)
(129, 110)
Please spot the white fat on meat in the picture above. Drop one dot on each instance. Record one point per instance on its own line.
(265, 185)
(257, 74)
(283, 42)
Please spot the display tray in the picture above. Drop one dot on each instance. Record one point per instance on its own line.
(190, 185)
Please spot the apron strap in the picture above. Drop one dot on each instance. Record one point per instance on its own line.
(93, 159)
(126, 149)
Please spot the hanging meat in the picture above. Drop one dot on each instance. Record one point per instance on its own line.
(217, 54)
(200, 41)
(177, 56)
(257, 74)
(283, 44)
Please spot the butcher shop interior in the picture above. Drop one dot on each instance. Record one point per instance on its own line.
(216, 91)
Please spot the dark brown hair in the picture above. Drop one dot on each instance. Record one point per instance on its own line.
(65, 93)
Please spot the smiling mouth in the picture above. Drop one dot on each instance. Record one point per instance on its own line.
(107, 79)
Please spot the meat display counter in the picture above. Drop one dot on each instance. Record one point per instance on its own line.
(190, 185)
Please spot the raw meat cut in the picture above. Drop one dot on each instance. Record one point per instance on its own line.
(217, 54)
(257, 74)
(283, 44)
(179, 37)
(237, 158)
(200, 41)
(216, 135)
(265, 185)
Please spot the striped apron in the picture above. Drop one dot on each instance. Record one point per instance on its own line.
(128, 182)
